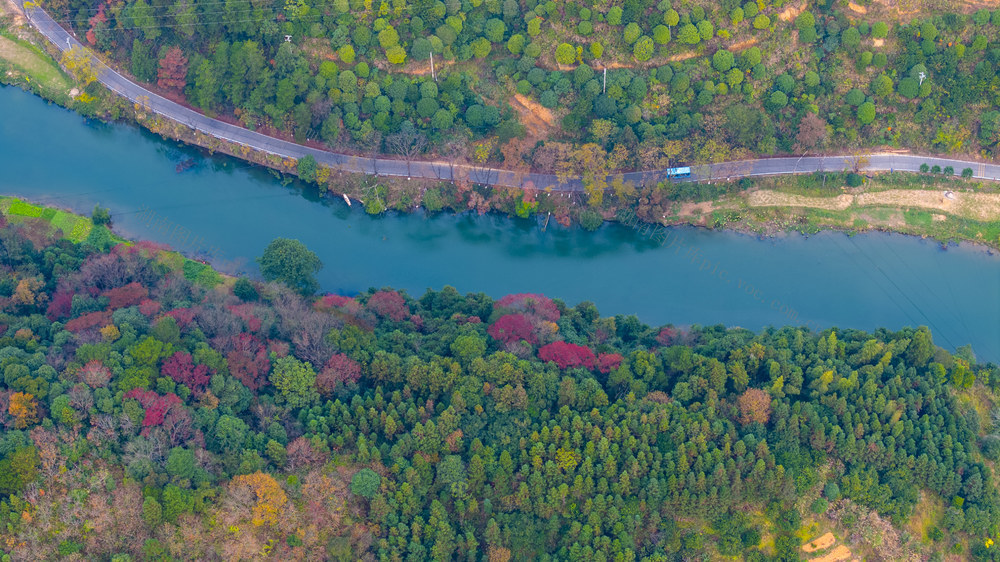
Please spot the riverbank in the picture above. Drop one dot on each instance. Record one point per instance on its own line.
(744, 206)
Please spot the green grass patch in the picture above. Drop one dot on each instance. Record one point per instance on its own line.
(22, 209)
(35, 63)
(914, 217)
(74, 227)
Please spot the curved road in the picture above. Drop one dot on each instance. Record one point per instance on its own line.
(114, 81)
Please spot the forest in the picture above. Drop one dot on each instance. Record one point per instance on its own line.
(567, 86)
(153, 409)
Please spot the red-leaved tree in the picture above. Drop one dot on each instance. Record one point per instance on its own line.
(248, 360)
(60, 305)
(340, 369)
(512, 328)
(183, 316)
(182, 369)
(129, 295)
(173, 70)
(531, 304)
(389, 304)
(87, 321)
(607, 362)
(156, 406)
(151, 308)
(95, 374)
(567, 355)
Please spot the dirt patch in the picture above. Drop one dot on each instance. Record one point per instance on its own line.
(820, 543)
(737, 47)
(682, 56)
(14, 11)
(839, 553)
(768, 198)
(695, 209)
(537, 119)
(791, 12)
(977, 206)
(878, 42)
(857, 9)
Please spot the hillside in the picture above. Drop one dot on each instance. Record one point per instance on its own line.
(524, 83)
(155, 410)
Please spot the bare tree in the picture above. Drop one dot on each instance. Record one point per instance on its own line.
(456, 151)
(858, 159)
(408, 144)
(373, 142)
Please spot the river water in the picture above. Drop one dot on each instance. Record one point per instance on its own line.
(229, 211)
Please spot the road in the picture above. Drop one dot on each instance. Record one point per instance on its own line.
(114, 81)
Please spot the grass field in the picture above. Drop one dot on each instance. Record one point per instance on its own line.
(36, 66)
(72, 227)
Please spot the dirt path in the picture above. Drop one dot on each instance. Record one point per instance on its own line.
(737, 47)
(791, 12)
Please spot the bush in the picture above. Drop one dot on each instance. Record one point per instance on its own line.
(590, 220)
(854, 180)
(948, 171)
(100, 215)
(924, 168)
(967, 173)
(935, 169)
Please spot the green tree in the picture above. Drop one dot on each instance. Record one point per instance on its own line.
(761, 22)
(882, 86)
(295, 381)
(366, 483)
(850, 38)
(306, 168)
(565, 54)
(866, 113)
(880, 30)
(722, 60)
(290, 262)
(494, 30)
(180, 463)
(631, 33)
(706, 30)
(689, 34)
(644, 49)
(661, 34)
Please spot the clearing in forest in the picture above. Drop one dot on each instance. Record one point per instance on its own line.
(537, 119)
(820, 543)
(34, 64)
(791, 12)
(856, 8)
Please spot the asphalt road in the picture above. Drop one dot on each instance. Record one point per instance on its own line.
(477, 174)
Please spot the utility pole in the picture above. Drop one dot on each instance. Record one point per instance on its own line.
(605, 79)
(433, 75)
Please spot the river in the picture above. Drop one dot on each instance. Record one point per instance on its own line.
(228, 210)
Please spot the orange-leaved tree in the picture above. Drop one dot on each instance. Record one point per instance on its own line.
(24, 409)
(271, 499)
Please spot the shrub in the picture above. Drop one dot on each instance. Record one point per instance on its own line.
(967, 173)
(948, 171)
(854, 180)
(935, 169)
(924, 168)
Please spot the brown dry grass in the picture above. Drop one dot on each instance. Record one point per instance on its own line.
(11, 9)
(856, 8)
(537, 119)
(983, 207)
(820, 543)
(768, 198)
(839, 553)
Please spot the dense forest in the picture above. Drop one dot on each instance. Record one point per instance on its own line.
(568, 85)
(155, 410)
